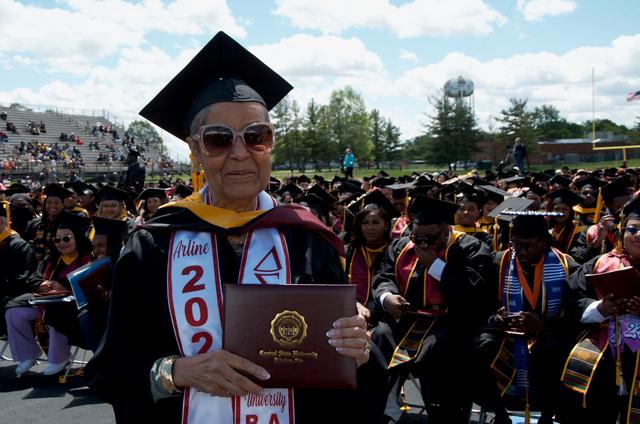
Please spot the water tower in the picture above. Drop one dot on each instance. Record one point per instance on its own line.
(460, 89)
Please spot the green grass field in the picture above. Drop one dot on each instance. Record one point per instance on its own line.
(396, 172)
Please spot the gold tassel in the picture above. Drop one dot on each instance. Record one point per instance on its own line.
(599, 202)
(622, 390)
(197, 174)
(527, 409)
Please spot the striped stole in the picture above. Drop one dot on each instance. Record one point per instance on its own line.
(515, 353)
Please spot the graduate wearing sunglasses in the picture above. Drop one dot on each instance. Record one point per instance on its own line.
(433, 287)
(219, 105)
(611, 392)
(72, 250)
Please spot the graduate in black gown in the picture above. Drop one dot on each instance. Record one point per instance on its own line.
(219, 107)
(433, 286)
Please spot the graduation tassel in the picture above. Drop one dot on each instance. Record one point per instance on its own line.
(197, 175)
(527, 409)
(622, 389)
(599, 204)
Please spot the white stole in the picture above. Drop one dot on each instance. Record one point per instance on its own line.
(195, 297)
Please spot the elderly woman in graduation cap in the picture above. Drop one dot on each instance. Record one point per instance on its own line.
(149, 366)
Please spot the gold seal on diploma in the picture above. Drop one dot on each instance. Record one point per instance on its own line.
(288, 328)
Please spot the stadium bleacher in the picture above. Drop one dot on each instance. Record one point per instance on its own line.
(57, 123)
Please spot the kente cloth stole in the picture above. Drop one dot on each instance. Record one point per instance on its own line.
(585, 356)
(399, 226)
(433, 301)
(512, 295)
(195, 297)
(361, 272)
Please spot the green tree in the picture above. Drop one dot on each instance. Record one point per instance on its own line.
(391, 146)
(143, 131)
(550, 125)
(517, 121)
(315, 134)
(349, 123)
(377, 138)
(452, 132)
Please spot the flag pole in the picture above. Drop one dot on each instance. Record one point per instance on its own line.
(593, 102)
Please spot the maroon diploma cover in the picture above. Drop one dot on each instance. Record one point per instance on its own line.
(283, 329)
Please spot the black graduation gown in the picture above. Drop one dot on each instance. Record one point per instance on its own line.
(139, 330)
(18, 263)
(442, 362)
(582, 252)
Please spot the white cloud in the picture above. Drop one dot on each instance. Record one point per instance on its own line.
(544, 78)
(535, 10)
(407, 55)
(413, 19)
(73, 37)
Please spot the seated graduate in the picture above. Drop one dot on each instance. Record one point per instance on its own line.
(533, 297)
(152, 199)
(470, 201)
(108, 240)
(18, 262)
(563, 229)
(599, 238)
(371, 236)
(591, 200)
(114, 203)
(157, 362)
(603, 375)
(432, 286)
(45, 227)
(72, 202)
(72, 250)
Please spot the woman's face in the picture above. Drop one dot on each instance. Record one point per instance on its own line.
(110, 209)
(373, 227)
(53, 206)
(99, 245)
(632, 242)
(488, 207)
(239, 175)
(565, 209)
(65, 241)
(468, 214)
(153, 203)
(71, 201)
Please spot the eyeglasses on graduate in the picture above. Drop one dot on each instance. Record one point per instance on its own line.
(219, 139)
(66, 239)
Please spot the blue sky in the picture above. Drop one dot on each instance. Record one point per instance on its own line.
(115, 55)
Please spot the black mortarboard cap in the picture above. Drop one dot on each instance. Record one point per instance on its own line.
(133, 151)
(55, 190)
(152, 192)
(112, 193)
(594, 182)
(349, 187)
(315, 202)
(561, 180)
(382, 173)
(76, 186)
(16, 188)
(374, 197)
(616, 188)
(469, 194)
(304, 179)
(321, 193)
(110, 227)
(515, 179)
(494, 193)
(631, 209)
(77, 223)
(535, 188)
(382, 182)
(517, 204)
(348, 199)
(89, 187)
(223, 71)
(183, 191)
(290, 188)
(163, 184)
(562, 195)
(529, 226)
(429, 210)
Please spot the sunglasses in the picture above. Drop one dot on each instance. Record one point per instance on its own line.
(65, 239)
(430, 239)
(219, 139)
(632, 230)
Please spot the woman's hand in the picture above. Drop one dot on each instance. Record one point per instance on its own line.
(50, 285)
(350, 338)
(218, 373)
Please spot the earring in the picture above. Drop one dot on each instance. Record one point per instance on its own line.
(197, 175)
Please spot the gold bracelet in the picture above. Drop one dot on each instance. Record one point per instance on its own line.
(166, 374)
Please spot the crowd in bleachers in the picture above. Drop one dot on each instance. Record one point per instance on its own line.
(38, 153)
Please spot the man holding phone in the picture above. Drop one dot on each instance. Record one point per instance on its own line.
(531, 333)
(433, 288)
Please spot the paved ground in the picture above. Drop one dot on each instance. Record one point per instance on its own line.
(36, 399)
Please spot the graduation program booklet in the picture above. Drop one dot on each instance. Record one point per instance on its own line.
(623, 283)
(283, 329)
(91, 281)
